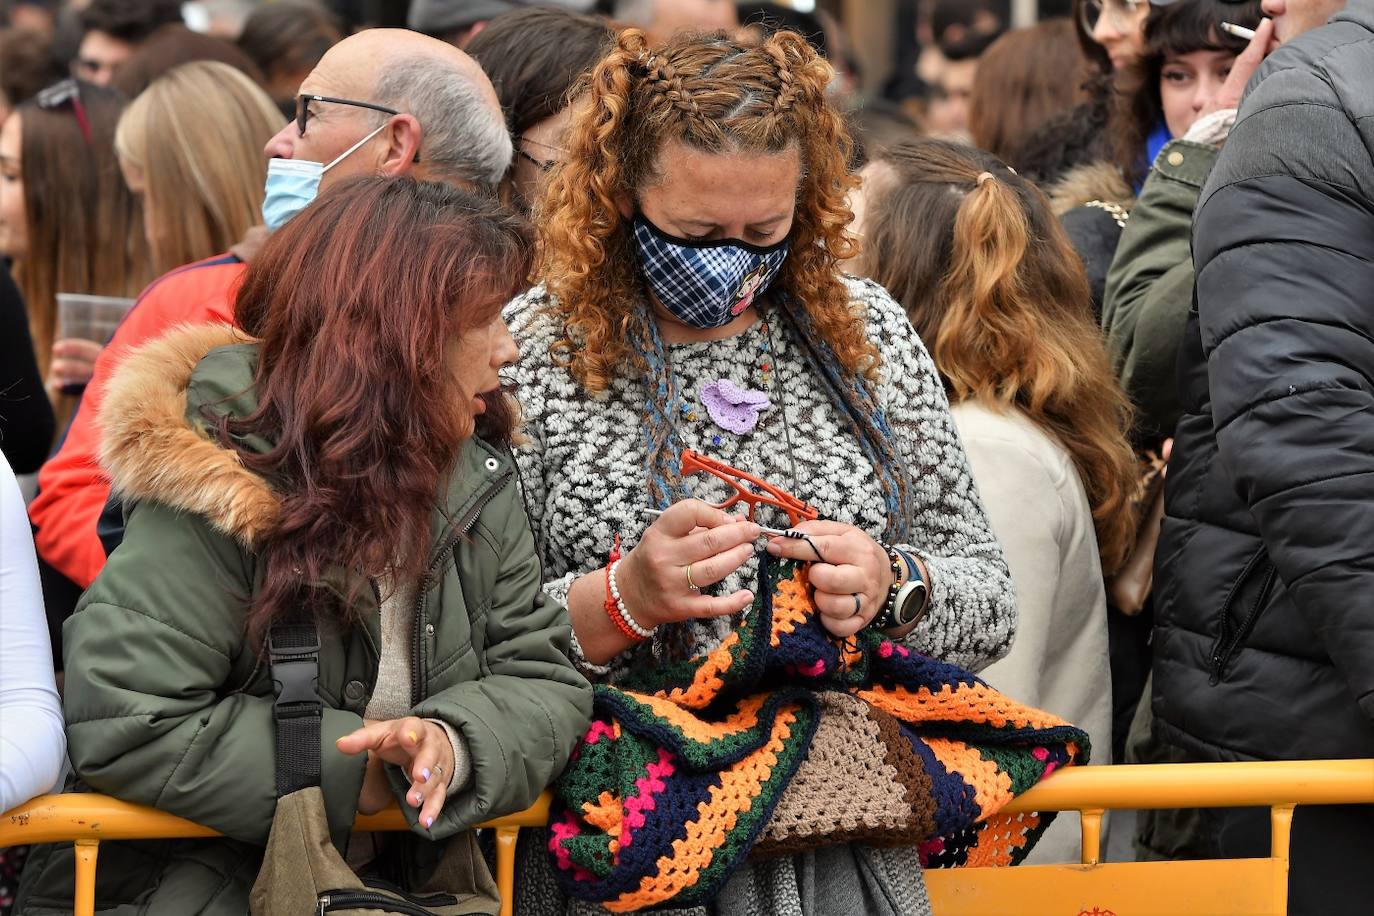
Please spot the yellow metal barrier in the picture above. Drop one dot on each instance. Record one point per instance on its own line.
(87, 819)
(1254, 887)
(1094, 888)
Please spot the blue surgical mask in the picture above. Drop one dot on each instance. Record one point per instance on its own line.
(293, 183)
(705, 284)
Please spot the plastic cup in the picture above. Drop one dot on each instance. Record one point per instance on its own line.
(90, 317)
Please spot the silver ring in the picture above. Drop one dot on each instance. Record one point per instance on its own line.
(438, 769)
(690, 584)
(858, 605)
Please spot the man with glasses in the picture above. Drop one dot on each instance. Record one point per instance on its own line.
(381, 102)
(1264, 632)
(420, 107)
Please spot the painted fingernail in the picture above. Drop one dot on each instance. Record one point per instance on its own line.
(429, 821)
(419, 799)
(425, 774)
(414, 738)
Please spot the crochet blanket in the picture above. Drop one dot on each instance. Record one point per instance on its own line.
(784, 738)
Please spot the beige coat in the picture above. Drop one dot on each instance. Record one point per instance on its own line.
(1040, 513)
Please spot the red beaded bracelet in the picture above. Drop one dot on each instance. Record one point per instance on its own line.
(613, 612)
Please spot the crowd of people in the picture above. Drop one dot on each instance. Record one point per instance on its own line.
(388, 351)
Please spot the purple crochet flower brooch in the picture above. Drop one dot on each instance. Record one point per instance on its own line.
(734, 409)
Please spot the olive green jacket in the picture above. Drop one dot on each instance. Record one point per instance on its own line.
(167, 704)
(1150, 286)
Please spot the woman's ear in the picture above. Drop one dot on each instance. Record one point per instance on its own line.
(626, 205)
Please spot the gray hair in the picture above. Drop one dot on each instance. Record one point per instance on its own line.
(464, 134)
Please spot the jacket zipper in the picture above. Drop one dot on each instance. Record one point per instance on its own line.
(1228, 643)
(331, 901)
(456, 533)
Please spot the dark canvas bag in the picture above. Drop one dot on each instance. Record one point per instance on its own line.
(302, 872)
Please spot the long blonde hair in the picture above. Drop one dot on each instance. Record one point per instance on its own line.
(996, 291)
(84, 227)
(197, 133)
(716, 95)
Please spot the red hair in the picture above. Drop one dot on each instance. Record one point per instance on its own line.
(357, 302)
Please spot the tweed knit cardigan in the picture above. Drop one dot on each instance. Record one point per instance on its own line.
(582, 467)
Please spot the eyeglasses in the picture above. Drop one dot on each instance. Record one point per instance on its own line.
(542, 165)
(66, 92)
(746, 489)
(92, 70)
(303, 102)
(1119, 13)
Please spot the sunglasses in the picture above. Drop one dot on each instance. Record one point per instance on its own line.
(748, 489)
(64, 93)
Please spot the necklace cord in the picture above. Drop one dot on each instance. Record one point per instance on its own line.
(782, 407)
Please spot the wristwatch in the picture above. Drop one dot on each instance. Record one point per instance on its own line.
(907, 598)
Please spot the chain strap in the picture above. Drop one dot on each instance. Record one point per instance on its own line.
(1118, 212)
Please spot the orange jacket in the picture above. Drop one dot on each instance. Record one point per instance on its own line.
(72, 488)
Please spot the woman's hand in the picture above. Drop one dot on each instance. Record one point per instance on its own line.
(73, 363)
(691, 544)
(420, 748)
(850, 572)
(376, 792)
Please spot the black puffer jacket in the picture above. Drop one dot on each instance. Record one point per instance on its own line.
(1264, 646)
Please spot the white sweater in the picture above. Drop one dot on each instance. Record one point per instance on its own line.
(1040, 513)
(32, 742)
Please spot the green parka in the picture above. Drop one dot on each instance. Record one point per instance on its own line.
(167, 704)
(1150, 286)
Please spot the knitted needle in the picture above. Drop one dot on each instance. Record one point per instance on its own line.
(764, 532)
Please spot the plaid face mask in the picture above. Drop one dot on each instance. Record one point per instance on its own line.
(705, 284)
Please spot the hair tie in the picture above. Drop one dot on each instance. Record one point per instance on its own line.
(984, 177)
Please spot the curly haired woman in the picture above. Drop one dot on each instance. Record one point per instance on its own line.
(693, 298)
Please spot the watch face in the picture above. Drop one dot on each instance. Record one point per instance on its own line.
(910, 603)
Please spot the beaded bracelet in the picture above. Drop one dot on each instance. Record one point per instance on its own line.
(894, 556)
(621, 616)
(613, 611)
(611, 605)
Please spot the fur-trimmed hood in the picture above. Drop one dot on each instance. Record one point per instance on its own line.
(1094, 181)
(154, 443)
(151, 448)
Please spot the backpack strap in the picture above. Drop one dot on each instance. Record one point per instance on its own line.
(293, 648)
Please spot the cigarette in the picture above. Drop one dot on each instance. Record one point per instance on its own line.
(763, 530)
(1239, 31)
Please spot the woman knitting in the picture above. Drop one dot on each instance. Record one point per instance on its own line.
(693, 168)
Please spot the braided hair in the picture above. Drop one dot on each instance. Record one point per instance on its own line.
(716, 95)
